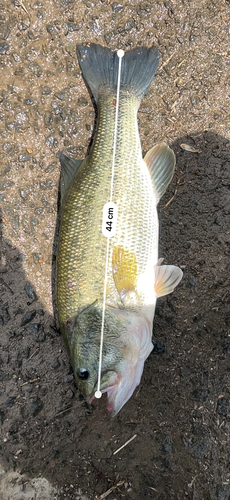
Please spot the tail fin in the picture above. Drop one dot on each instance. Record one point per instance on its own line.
(99, 66)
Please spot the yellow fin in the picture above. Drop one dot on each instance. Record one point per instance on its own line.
(124, 265)
(166, 279)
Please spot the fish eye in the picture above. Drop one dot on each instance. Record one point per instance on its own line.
(83, 373)
(69, 324)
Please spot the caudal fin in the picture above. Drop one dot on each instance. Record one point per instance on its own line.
(99, 66)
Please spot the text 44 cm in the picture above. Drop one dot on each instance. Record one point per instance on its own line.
(109, 221)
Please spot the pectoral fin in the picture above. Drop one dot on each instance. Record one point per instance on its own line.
(124, 265)
(69, 167)
(166, 279)
(160, 160)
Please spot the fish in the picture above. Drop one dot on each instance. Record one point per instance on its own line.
(135, 276)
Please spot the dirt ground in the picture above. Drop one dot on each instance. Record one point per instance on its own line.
(53, 445)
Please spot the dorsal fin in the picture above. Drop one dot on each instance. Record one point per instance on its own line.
(161, 162)
(69, 167)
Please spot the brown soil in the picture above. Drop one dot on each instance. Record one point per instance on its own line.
(180, 413)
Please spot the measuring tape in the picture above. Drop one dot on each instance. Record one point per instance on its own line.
(109, 221)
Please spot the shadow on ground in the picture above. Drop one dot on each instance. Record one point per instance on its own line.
(180, 413)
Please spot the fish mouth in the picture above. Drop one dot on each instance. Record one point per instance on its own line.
(106, 386)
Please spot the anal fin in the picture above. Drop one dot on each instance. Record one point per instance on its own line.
(166, 279)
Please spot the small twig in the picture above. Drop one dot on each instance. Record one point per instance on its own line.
(190, 484)
(170, 119)
(216, 403)
(180, 64)
(18, 453)
(7, 286)
(137, 394)
(166, 62)
(31, 381)
(174, 104)
(104, 495)
(23, 6)
(33, 354)
(63, 411)
(171, 199)
(127, 442)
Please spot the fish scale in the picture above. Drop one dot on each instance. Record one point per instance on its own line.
(87, 196)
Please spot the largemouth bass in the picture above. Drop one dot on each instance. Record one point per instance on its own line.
(135, 277)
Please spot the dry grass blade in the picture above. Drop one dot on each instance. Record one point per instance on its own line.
(167, 61)
(127, 442)
(7, 286)
(68, 408)
(31, 381)
(35, 352)
(104, 495)
(175, 192)
(23, 6)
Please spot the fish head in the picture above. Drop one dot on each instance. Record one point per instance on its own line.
(83, 336)
(126, 345)
(135, 346)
